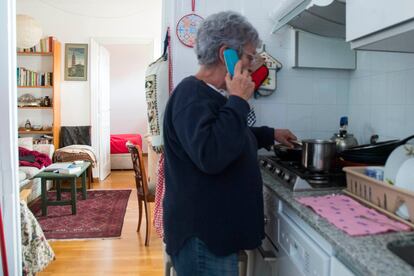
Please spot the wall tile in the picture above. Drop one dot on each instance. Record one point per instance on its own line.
(273, 115)
(395, 120)
(395, 88)
(301, 91)
(342, 91)
(324, 118)
(379, 89)
(299, 118)
(409, 121)
(409, 86)
(325, 91)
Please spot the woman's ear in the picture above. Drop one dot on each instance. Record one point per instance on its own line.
(221, 53)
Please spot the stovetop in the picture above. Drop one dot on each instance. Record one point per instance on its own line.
(297, 178)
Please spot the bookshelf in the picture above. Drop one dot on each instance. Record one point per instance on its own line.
(39, 85)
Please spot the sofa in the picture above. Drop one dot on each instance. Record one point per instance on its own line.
(32, 187)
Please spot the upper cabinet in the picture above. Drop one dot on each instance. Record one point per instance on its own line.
(380, 25)
(314, 51)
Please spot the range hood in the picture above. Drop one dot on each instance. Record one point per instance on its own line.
(320, 17)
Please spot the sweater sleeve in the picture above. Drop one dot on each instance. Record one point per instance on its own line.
(213, 138)
(265, 136)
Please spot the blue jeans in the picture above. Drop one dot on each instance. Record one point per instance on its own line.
(194, 259)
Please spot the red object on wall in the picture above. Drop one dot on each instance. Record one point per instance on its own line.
(118, 142)
(3, 247)
(259, 76)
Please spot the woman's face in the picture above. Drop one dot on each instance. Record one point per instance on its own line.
(249, 57)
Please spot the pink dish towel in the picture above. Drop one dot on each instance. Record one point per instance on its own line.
(350, 216)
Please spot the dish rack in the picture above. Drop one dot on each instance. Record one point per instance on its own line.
(378, 194)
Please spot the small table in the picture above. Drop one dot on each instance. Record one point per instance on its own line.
(58, 177)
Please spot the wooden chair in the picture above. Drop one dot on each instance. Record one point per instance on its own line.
(145, 191)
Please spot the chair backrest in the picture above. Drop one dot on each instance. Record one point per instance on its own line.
(139, 167)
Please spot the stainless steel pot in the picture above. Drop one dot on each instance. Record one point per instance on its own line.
(318, 155)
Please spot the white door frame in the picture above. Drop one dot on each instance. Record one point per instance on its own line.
(9, 187)
(95, 43)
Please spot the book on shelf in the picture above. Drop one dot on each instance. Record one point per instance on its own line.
(44, 46)
(27, 77)
(64, 168)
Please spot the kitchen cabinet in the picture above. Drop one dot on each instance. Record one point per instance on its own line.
(339, 269)
(380, 25)
(314, 51)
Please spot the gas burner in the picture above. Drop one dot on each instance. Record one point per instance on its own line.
(297, 178)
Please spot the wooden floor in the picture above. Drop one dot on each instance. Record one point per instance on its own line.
(124, 256)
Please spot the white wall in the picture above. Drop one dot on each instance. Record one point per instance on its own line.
(128, 103)
(9, 189)
(309, 102)
(381, 96)
(76, 21)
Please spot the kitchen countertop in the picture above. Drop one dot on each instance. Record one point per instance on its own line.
(366, 255)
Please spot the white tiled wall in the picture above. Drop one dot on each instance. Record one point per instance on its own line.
(307, 101)
(381, 96)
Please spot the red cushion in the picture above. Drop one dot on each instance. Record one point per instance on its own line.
(118, 142)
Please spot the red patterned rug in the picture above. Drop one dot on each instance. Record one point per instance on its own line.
(101, 215)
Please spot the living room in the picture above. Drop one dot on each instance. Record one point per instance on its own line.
(131, 34)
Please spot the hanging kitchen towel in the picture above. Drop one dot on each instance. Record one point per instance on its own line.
(159, 196)
(157, 94)
(251, 117)
(350, 216)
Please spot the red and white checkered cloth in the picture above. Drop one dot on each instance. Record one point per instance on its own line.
(159, 196)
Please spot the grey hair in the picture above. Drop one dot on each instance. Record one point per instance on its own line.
(224, 28)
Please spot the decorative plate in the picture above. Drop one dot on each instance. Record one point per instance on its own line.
(187, 28)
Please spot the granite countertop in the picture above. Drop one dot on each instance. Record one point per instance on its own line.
(366, 255)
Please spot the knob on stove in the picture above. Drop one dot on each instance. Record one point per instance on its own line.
(286, 177)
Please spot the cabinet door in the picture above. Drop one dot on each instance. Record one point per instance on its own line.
(314, 51)
(339, 269)
(369, 16)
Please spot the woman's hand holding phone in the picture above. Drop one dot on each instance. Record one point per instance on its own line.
(241, 84)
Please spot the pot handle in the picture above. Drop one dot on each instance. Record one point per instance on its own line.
(402, 142)
(297, 143)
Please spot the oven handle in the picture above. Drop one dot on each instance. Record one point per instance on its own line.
(267, 255)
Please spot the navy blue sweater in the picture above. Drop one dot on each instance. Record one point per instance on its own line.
(213, 185)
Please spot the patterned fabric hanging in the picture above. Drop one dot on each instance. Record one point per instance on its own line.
(160, 185)
(157, 94)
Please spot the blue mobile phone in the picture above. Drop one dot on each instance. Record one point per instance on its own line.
(230, 58)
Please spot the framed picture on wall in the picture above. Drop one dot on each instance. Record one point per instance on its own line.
(76, 62)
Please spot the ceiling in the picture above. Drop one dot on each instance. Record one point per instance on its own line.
(101, 8)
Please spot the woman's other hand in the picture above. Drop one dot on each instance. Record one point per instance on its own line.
(284, 136)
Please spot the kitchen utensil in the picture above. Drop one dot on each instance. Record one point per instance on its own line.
(318, 155)
(405, 180)
(395, 161)
(287, 154)
(375, 154)
(344, 141)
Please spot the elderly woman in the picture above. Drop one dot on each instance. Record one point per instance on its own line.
(213, 205)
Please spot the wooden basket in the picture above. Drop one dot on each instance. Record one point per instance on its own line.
(378, 194)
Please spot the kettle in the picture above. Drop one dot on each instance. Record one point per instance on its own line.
(343, 139)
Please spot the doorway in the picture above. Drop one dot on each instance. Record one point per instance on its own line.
(125, 77)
